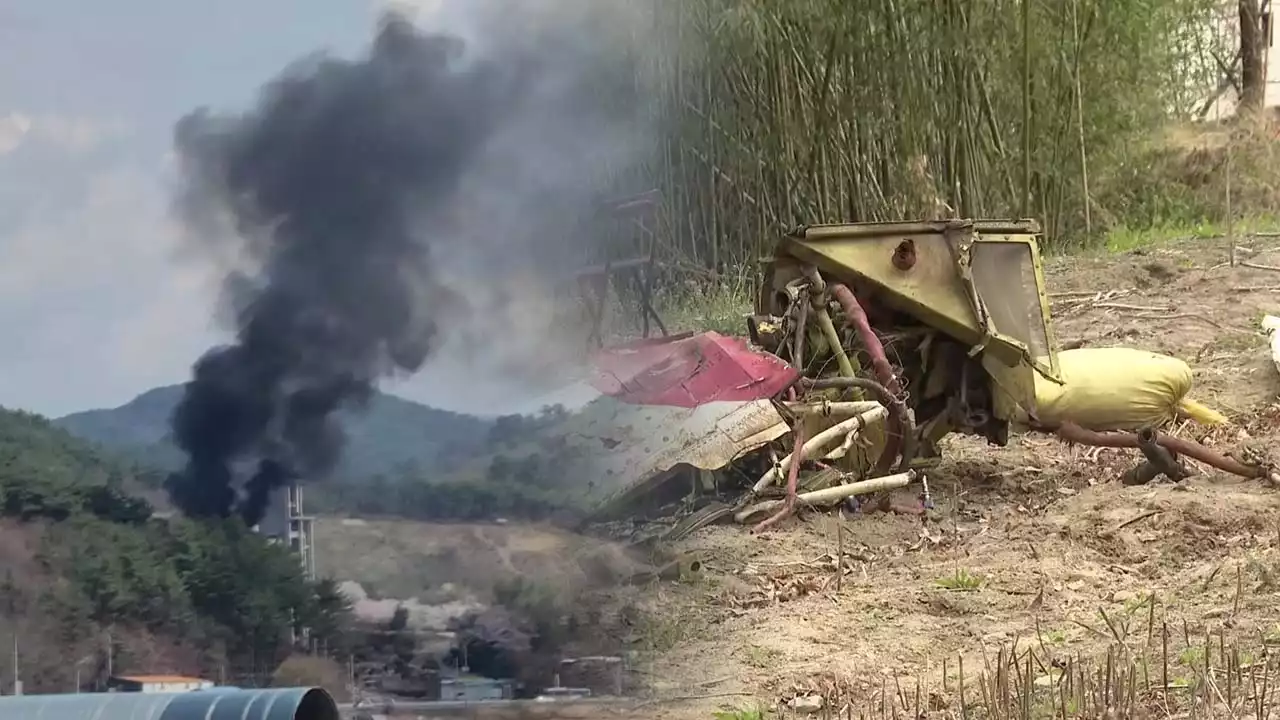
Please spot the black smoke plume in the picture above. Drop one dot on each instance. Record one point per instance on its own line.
(324, 193)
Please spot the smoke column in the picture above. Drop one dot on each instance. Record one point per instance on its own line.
(346, 205)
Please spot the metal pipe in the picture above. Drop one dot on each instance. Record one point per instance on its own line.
(843, 361)
(828, 409)
(900, 421)
(936, 227)
(818, 443)
(1162, 458)
(1194, 450)
(793, 475)
(831, 495)
(802, 322)
(272, 704)
(857, 317)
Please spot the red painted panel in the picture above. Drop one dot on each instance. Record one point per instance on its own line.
(689, 370)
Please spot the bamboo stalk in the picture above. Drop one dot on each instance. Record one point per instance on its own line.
(773, 114)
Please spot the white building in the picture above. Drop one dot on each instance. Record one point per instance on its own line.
(157, 683)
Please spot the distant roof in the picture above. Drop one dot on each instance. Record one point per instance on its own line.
(473, 680)
(592, 658)
(159, 678)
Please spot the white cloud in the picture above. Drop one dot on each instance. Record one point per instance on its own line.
(68, 133)
(13, 128)
(421, 8)
(93, 295)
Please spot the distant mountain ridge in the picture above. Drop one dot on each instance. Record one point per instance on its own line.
(389, 436)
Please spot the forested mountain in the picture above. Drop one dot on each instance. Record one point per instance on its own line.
(87, 573)
(389, 437)
(402, 458)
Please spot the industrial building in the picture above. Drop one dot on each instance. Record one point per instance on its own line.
(286, 522)
(470, 688)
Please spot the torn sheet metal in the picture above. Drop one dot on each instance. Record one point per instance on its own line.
(1271, 326)
(697, 399)
(690, 370)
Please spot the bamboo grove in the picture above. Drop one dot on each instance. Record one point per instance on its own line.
(768, 114)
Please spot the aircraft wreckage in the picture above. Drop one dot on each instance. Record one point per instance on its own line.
(868, 344)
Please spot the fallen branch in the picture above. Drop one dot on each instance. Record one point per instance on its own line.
(829, 496)
(1072, 301)
(1134, 308)
(1096, 295)
(1178, 316)
(820, 441)
(688, 698)
(1132, 520)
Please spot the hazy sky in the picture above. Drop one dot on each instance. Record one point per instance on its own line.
(95, 306)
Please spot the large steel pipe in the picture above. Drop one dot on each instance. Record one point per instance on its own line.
(214, 704)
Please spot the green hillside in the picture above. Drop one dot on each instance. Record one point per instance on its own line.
(391, 437)
(402, 458)
(87, 573)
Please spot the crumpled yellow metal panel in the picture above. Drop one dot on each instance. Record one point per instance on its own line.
(1008, 324)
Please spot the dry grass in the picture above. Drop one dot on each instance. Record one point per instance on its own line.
(720, 305)
(1163, 677)
(313, 671)
(1195, 180)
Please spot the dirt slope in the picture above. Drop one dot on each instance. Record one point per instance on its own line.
(1036, 542)
(437, 562)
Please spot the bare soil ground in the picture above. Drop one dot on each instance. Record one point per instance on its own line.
(441, 562)
(1036, 543)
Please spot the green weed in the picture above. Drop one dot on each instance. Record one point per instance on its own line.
(961, 580)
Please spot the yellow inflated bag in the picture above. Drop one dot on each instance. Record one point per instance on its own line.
(1119, 389)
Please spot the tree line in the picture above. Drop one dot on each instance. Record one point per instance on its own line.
(519, 476)
(92, 573)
